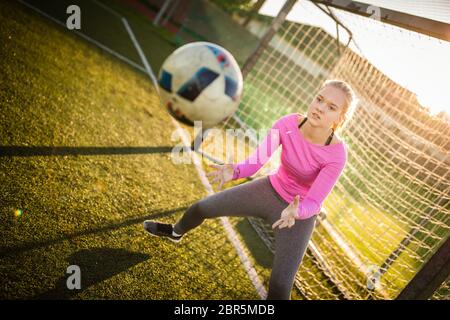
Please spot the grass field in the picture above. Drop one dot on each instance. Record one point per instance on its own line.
(85, 160)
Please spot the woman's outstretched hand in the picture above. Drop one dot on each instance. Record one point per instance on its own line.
(288, 215)
(223, 174)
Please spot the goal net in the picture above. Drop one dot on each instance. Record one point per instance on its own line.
(389, 212)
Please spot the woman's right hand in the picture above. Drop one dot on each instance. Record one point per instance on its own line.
(223, 174)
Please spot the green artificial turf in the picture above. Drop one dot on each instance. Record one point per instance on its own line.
(85, 160)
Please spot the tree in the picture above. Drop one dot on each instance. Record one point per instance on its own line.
(232, 6)
(264, 42)
(253, 12)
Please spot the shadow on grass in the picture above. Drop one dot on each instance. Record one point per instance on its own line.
(96, 265)
(19, 151)
(8, 251)
(260, 252)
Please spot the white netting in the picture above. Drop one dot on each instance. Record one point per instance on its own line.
(443, 292)
(388, 213)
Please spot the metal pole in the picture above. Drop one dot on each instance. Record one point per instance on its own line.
(426, 26)
(430, 277)
(170, 13)
(161, 12)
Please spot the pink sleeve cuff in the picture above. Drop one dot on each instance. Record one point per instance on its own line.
(307, 208)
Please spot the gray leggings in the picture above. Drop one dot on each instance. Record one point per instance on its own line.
(257, 198)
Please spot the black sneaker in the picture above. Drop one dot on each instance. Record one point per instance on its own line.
(159, 229)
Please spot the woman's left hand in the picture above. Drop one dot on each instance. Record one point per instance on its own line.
(288, 215)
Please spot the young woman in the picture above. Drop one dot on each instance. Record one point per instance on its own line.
(312, 160)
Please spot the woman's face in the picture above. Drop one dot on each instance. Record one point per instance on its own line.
(327, 105)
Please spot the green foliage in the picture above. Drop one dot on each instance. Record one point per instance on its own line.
(232, 6)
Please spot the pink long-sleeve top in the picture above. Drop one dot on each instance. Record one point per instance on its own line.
(306, 169)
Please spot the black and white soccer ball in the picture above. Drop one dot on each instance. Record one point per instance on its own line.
(200, 81)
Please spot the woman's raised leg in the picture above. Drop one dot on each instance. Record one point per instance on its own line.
(255, 198)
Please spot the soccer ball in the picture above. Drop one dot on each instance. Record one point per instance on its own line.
(200, 81)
